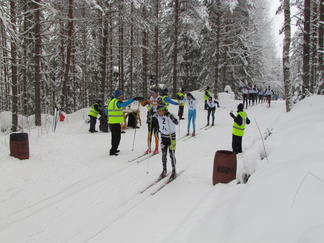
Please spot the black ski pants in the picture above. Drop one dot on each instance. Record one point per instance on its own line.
(212, 112)
(93, 121)
(165, 145)
(115, 137)
(180, 112)
(237, 144)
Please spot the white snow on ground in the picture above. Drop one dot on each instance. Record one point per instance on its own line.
(71, 190)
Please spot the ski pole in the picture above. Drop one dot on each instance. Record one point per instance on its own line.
(147, 166)
(135, 126)
(265, 152)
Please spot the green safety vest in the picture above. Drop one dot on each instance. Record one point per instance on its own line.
(237, 129)
(115, 113)
(205, 96)
(93, 112)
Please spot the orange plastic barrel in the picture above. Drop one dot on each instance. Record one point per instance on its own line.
(224, 166)
(19, 146)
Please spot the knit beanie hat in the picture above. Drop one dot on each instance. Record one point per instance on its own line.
(240, 107)
(118, 93)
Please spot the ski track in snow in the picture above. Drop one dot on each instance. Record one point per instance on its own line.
(116, 204)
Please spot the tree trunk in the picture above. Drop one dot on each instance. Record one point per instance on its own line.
(157, 44)
(14, 63)
(321, 37)
(175, 51)
(131, 64)
(314, 41)
(65, 102)
(24, 61)
(285, 56)
(306, 49)
(225, 64)
(83, 92)
(103, 58)
(218, 27)
(38, 42)
(111, 63)
(121, 46)
(145, 69)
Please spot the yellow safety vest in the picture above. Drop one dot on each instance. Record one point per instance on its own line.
(93, 112)
(237, 129)
(166, 104)
(115, 113)
(179, 101)
(205, 96)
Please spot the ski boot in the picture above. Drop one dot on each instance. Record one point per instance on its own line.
(187, 134)
(156, 151)
(193, 134)
(163, 174)
(173, 175)
(148, 151)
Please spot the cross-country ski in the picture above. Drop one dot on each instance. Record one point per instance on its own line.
(169, 180)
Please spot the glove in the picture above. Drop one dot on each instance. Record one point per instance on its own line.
(138, 98)
(173, 119)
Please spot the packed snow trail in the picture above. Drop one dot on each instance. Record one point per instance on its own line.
(80, 193)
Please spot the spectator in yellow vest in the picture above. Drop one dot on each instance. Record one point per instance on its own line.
(240, 120)
(115, 117)
(180, 98)
(206, 97)
(95, 110)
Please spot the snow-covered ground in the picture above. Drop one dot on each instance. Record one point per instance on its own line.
(71, 190)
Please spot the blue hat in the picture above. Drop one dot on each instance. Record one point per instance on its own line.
(118, 93)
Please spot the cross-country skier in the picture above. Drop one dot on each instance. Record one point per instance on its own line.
(268, 92)
(245, 95)
(240, 120)
(211, 104)
(192, 113)
(151, 104)
(166, 123)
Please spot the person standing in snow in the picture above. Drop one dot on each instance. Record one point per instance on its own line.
(166, 123)
(151, 104)
(268, 92)
(165, 98)
(206, 97)
(192, 113)
(245, 95)
(115, 117)
(95, 110)
(240, 120)
(211, 103)
(180, 98)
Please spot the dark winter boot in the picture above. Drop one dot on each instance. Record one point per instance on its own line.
(173, 175)
(163, 174)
